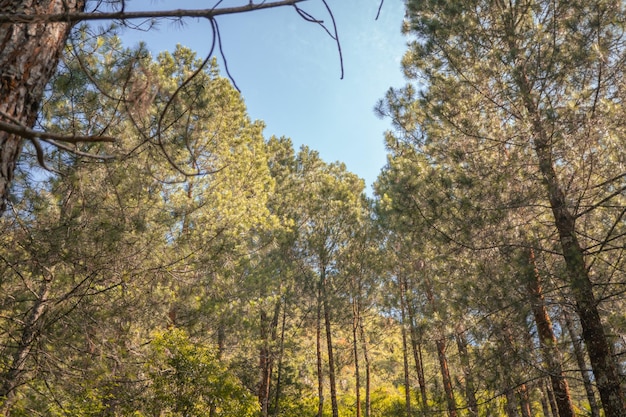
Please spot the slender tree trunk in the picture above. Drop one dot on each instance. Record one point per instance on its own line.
(511, 403)
(447, 380)
(417, 353)
(16, 372)
(329, 348)
(443, 361)
(600, 353)
(551, 399)
(355, 351)
(279, 369)
(407, 385)
(318, 347)
(472, 403)
(266, 357)
(524, 401)
(366, 358)
(544, 403)
(547, 340)
(582, 365)
(29, 54)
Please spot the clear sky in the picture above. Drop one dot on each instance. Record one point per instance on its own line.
(288, 70)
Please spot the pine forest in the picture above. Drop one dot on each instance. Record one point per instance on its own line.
(161, 256)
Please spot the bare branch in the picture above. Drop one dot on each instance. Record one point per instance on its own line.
(123, 15)
(76, 151)
(31, 134)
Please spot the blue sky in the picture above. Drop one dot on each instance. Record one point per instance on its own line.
(288, 71)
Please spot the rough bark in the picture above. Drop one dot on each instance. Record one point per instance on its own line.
(329, 348)
(318, 347)
(443, 361)
(472, 403)
(269, 332)
(407, 385)
(582, 366)
(16, 373)
(29, 54)
(355, 351)
(547, 340)
(600, 354)
(279, 371)
(524, 401)
(417, 355)
(366, 359)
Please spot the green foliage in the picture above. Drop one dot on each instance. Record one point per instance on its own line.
(187, 379)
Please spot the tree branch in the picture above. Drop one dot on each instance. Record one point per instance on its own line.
(27, 133)
(123, 15)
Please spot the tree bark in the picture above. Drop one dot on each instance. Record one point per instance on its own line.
(355, 351)
(604, 366)
(443, 361)
(29, 54)
(366, 358)
(407, 385)
(472, 403)
(547, 340)
(329, 347)
(16, 372)
(417, 353)
(524, 401)
(318, 347)
(582, 366)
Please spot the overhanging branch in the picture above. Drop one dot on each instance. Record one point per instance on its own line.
(154, 14)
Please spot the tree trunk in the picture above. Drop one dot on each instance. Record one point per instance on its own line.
(407, 385)
(29, 54)
(582, 366)
(355, 351)
(366, 358)
(329, 348)
(318, 347)
(472, 403)
(544, 403)
(266, 357)
(600, 353)
(547, 340)
(511, 403)
(16, 372)
(417, 354)
(443, 361)
(551, 399)
(279, 371)
(524, 401)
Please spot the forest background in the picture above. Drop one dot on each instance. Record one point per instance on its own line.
(161, 256)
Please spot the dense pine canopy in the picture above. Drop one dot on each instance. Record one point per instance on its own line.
(194, 267)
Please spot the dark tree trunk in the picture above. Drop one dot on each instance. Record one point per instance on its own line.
(407, 385)
(318, 347)
(582, 366)
(551, 399)
(279, 371)
(472, 403)
(366, 358)
(417, 353)
(266, 357)
(443, 361)
(329, 348)
(524, 401)
(511, 403)
(29, 54)
(15, 375)
(600, 353)
(355, 351)
(547, 340)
